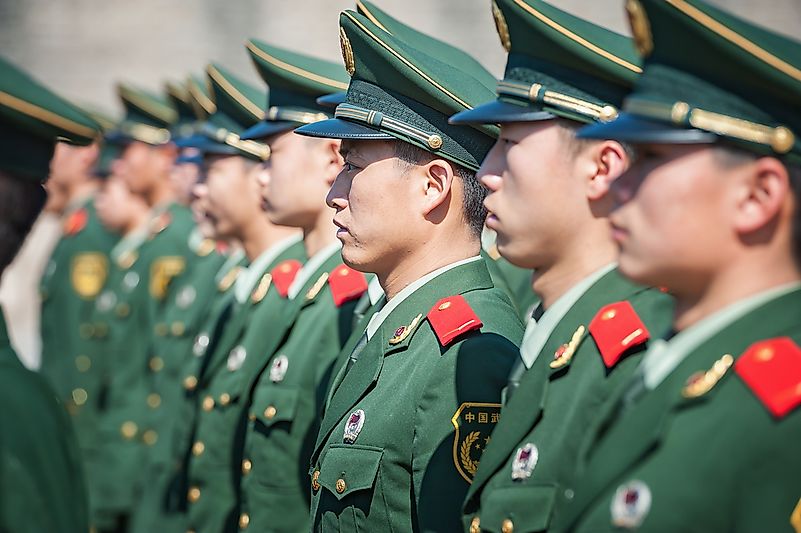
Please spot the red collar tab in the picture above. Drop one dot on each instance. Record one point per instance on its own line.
(451, 318)
(346, 284)
(284, 274)
(76, 222)
(772, 370)
(616, 329)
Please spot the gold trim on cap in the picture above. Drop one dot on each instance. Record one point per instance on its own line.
(222, 135)
(179, 93)
(366, 12)
(780, 138)
(536, 93)
(735, 38)
(155, 108)
(580, 40)
(200, 97)
(376, 119)
(145, 133)
(232, 91)
(39, 113)
(294, 69)
(276, 113)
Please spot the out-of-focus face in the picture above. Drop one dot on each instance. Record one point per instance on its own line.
(533, 191)
(143, 166)
(296, 180)
(69, 166)
(673, 216)
(184, 176)
(379, 208)
(117, 207)
(200, 210)
(232, 195)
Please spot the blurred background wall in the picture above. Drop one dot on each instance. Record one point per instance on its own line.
(81, 47)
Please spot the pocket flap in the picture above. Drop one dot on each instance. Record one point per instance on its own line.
(529, 507)
(273, 404)
(349, 468)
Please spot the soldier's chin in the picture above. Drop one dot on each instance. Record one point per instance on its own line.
(355, 259)
(637, 270)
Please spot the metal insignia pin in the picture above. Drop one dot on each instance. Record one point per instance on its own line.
(353, 426)
(279, 368)
(565, 352)
(631, 504)
(200, 345)
(106, 301)
(236, 357)
(130, 280)
(525, 460)
(186, 296)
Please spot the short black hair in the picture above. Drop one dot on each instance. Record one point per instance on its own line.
(21, 201)
(474, 193)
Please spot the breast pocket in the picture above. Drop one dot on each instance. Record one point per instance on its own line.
(274, 441)
(527, 508)
(351, 491)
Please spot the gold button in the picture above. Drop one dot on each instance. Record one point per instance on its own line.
(128, 430)
(316, 481)
(83, 363)
(153, 400)
(341, 485)
(208, 403)
(244, 520)
(225, 398)
(190, 382)
(193, 495)
(123, 310)
(177, 328)
(86, 330)
(150, 437)
(247, 466)
(251, 417)
(270, 412)
(156, 364)
(475, 525)
(160, 329)
(507, 526)
(609, 315)
(79, 396)
(101, 330)
(198, 448)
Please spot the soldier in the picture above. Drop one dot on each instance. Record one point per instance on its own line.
(705, 436)
(411, 411)
(593, 325)
(288, 383)
(41, 481)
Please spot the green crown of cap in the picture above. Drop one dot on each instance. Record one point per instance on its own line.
(724, 75)
(32, 118)
(180, 99)
(200, 96)
(561, 63)
(431, 45)
(295, 81)
(402, 91)
(235, 110)
(148, 116)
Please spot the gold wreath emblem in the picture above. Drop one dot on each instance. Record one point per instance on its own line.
(501, 26)
(468, 464)
(640, 27)
(347, 52)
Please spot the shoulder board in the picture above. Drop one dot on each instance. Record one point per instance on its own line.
(76, 222)
(772, 370)
(160, 223)
(451, 318)
(616, 329)
(284, 274)
(346, 284)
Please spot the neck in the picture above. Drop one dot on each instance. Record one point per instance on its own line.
(262, 235)
(82, 189)
(137, 221)
(160, 194)
(577, 260)
(739, 279)
(426, 259)
(319, 235)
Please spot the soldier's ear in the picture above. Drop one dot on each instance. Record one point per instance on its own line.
(438, 178)
(764, 197)
(605, 161)
(334, 160)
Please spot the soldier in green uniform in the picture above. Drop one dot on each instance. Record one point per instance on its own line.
(592, 326)
(705, 436)
(286, 385)
(74, 276)
(127, 313)
(410, 412)
(41, 480)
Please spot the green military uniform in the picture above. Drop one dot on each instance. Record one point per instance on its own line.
(704, 437)
(143, 268)
(41, 480)
(74, 276)
(590, 340)
(410, 412)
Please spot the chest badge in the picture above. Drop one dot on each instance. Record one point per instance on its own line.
(354, 426)
(236, 358)
(525, 460)
(631, 504)
(279, 368)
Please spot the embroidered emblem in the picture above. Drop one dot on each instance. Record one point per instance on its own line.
(501, 26)
(236, 358)
(353, 426)
(279, 368)
(404, 331)
(261, 289)
(347, 52)
(317, 287)
(631, 504)
(162, 272)
(565, 352)
(88, 274)
(525, 460)
(702, 382)
(640, 28)
(473, 423)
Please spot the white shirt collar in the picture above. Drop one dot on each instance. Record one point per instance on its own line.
(374, 290)
(377, 319)
(311, 266)
(664, 356)
(247, 280)
(538, 331)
